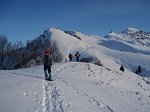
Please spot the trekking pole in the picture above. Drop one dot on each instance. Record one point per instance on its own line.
(33, 70)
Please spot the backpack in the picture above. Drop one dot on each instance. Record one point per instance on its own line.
(70, 55)
(77, 55)
(48, 60)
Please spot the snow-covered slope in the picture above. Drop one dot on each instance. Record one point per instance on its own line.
(112, 49)
(77, 87)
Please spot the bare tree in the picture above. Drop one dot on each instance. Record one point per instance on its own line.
(3, 45)
(9, 48)
(13, 56)
(16, 54)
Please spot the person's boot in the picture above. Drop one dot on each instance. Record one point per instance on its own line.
(50, 77)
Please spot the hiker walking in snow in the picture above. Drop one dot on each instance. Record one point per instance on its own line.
(47, 65)
(77, 56)
(70, 57)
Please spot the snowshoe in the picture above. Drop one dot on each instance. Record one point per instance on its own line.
(49, 79)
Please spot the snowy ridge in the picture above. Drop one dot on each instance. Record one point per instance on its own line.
(105, 49)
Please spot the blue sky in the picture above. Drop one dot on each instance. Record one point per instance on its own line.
(26, 19)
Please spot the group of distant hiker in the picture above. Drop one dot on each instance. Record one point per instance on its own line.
(48, 63)
(77, 55)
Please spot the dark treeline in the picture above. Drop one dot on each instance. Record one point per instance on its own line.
(16, 55)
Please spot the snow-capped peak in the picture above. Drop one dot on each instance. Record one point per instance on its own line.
(131, 35)
(130, 30)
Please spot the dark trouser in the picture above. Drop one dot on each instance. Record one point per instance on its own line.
(70, 59)
(47, 71)
(77, 59)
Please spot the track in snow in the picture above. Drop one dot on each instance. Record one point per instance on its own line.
(100, 105)
(51, 96)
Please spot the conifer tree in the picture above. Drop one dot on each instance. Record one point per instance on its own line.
(122, 68)
(139, 70)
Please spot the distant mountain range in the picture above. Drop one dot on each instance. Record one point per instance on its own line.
(133, 36)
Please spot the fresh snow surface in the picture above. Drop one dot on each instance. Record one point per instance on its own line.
(77, 87)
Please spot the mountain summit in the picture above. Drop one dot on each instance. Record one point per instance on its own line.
(131, 31)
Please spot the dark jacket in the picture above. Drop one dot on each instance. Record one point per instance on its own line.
(47, 60)
(77, 55)
(70, 55)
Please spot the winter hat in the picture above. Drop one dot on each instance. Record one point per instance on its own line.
(47, 52)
